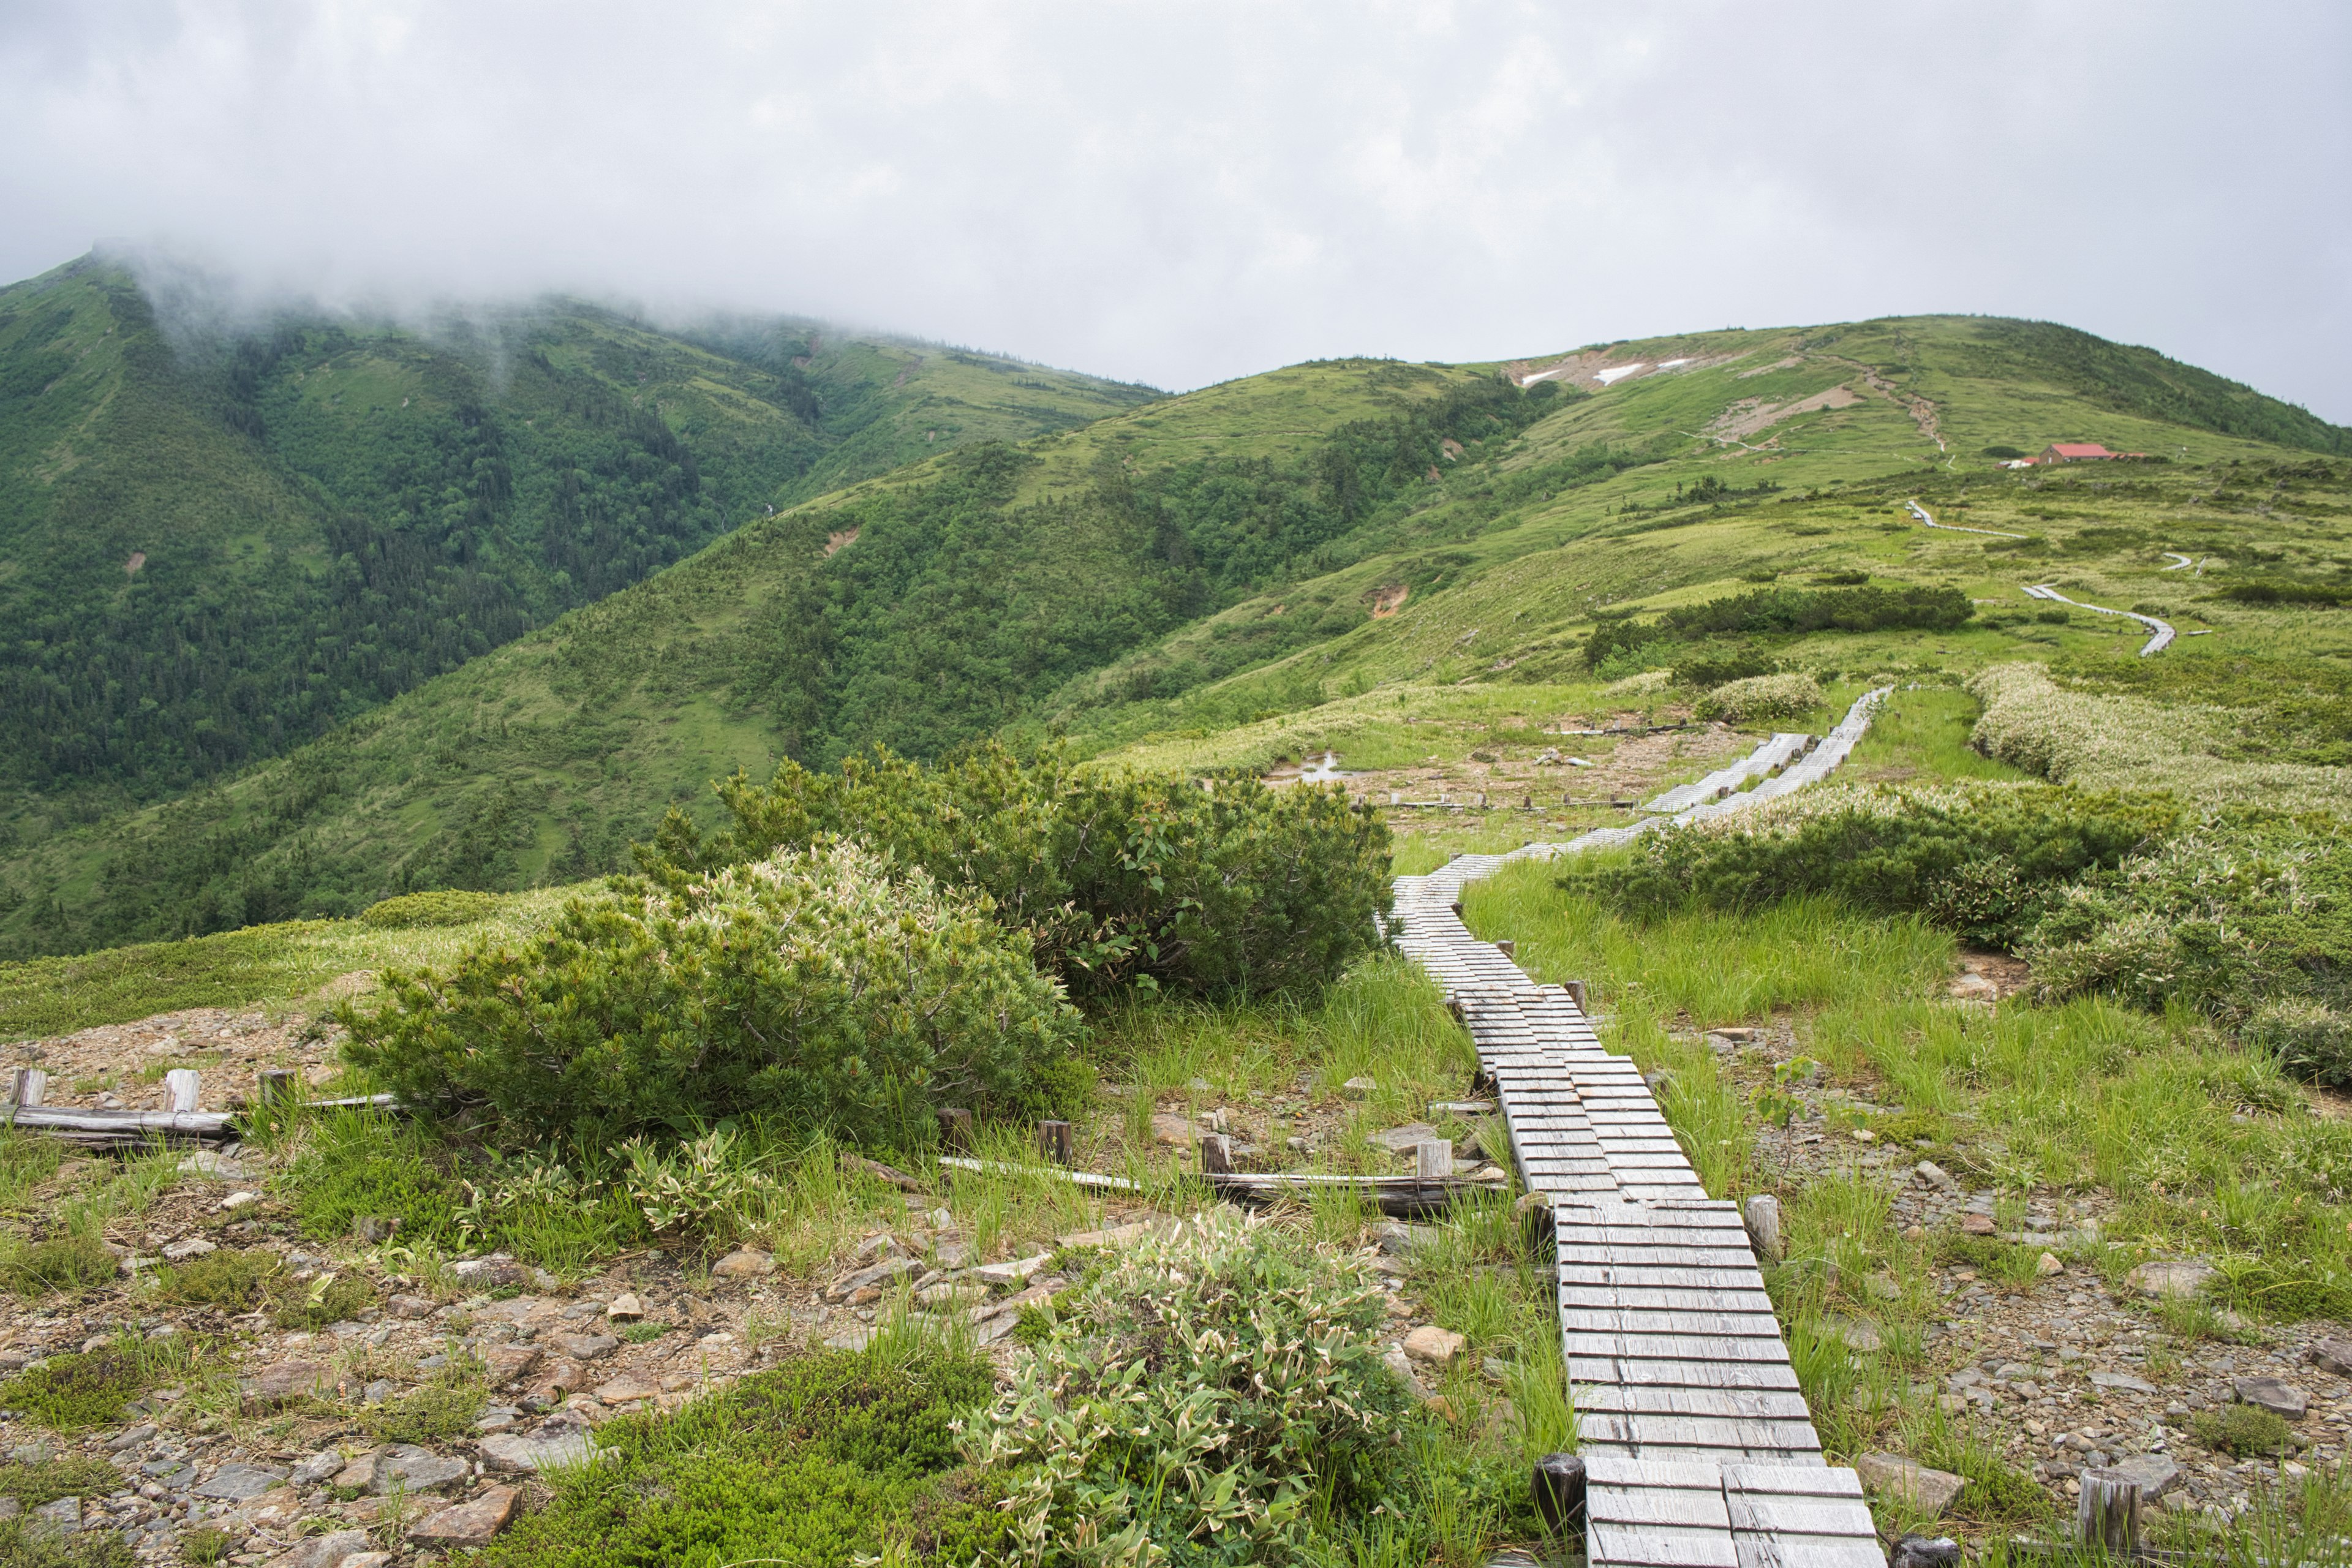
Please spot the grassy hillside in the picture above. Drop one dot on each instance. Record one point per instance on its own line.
(1328, 555)
(214, 547)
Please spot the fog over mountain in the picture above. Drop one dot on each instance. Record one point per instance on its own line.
(1182, 194)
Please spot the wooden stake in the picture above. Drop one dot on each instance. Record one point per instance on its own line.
(955, 1129)
(181, 1085)
(1762, 1213)
(1575, 989)
(1216, 1154)
(2107, 1515)
(276, 1086)
(1433, 1158)
(1507, 948)
(30, 1084)
(1053, 1140)
(1559, 1493)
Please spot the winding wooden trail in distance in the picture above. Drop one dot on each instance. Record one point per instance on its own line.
(1699, 1449)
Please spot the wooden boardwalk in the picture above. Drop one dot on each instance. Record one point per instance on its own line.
(1699, 1449)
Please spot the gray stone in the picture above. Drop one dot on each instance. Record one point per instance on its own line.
(410, 1469)
(587, 1347)
(241, 1483)
(889, 1269)
(469, 1523)
(318, 1468)
(2121, 1383)
(2185, 1277)
(748, 1263)
(376, 1393)
(1931, 1491)
(1359, 1088)
(1855, 1335)
(2155, 1473)
(490, 1273)
(2271, 1394)
(1936, 1176)
(186, 1247)
(332, 1551)
(285, 1381)
(64, 1514)
(515, 1455)
(2333, 1355)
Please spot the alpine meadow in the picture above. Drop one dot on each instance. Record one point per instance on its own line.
(635, 939)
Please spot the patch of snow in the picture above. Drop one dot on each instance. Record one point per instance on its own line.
(1611, 377)
(1671, 364)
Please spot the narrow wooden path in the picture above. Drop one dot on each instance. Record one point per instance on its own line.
(1699, 1450)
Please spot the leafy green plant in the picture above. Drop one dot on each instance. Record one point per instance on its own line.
(2242, 1430)
(328, 1298)
(25, 1544)
(1118, 878)
(82, 1389)
(816, 987)
(46, 1481)
(1205, 1398)
(697, 1184)
(71, 1263)
(450, 906)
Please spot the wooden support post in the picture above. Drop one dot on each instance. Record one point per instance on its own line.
(1216, 1154)
(1762, 1213)
(279, 1087)
(1433, 1158)
(955, 1129)
(1053, 1140)
(1457, 907)
(1527, 801)
(1396, 796)
(29, 1086)
(1560, 1493)
(1482, 800)
(1927, 1552)
(181, 1085)
(2107, 1514)
(1507, 948)
(1575, 989)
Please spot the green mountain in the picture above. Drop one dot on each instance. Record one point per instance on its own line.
(1316, 556)
(215, 545)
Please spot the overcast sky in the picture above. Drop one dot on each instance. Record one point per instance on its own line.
(1179, 192)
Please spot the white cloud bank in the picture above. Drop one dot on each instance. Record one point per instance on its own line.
(1183, 193)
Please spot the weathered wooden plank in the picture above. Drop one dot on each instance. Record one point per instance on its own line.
(1689, 1506)
(1676, 1347)
(1793, 1480)
(1618, 1472)
(1681, 1374)
(1648, 1399)
(1631, 1546)
(1677, 1278)
(1796, 1516)
(1634, 1320)
(1718, 1437)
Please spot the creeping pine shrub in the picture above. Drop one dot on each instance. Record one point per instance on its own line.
(1874, 607)
(1118, 878)
(1761, 698)
(1198, 1402)
(446, 908)
(817, 988)
(1983, 860)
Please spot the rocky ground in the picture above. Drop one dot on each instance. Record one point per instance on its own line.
(267, 1437)
(2068, 1369)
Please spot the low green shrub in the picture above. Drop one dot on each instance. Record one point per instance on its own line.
(1215, 1396)
(831, 1457)
(328, 1298)
(38, 1481)
(817, 988)
(1761, 698)
(2308, 1039)
(206, 1544)
(25, 1544)
(430, 1414)
(1786, 611)
(1985, 860)
(232, 1281)
(2243, 1430)
(80, 1390)
(449, 906)
(1118, 878)
(68, 1263)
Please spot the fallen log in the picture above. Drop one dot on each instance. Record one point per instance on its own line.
(1400, 1197)
(123, 1128)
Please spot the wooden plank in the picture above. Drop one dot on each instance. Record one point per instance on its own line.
(1794, 1480)
(1629, 1546)
(1638, 1399)
(1635, 1321)
(1723, 1436)
(1667, 1279)
(1680, 1374)
(1677, 1347)
(1687, 1508)
(1795, 1516)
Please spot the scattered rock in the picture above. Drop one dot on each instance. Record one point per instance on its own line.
(1973, 988)
(1433, 1345)
(587, 1347)
(411, 1306)
(236, 1201)
(1855, 1334)
(746, 1264)
(511, 1364)
(1397, 1362)
(63, 1515)
(1932, 1174)
(1931, 1491)
(240, 1483)
(2049, 1265)
(2121, 1383)
(1015, 1272)
(1117, 1235)
(211, 1163)
(409, 1469)
(274, 1386)
(627, 1389)
(1399, 1140)
(1175, 1132)
(374, 1230)
(2173, 1278)
(849, 1284)
(513, 1455)
(625, 1308)
(330, 1550)
(490, 1273)
(2280, 1398)
(1977, 1225)
(320, 1466)
(1359, 1088)
(190, 1247)
(2333, 1355)
(359, 1476)
(469, 1523)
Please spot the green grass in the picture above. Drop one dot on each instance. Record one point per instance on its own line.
(34, 1482)
(77, 1391)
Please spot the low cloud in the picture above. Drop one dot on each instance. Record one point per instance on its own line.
(1180, 194)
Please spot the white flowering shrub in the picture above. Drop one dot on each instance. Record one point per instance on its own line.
(1201, 1401)
(1761, 698)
